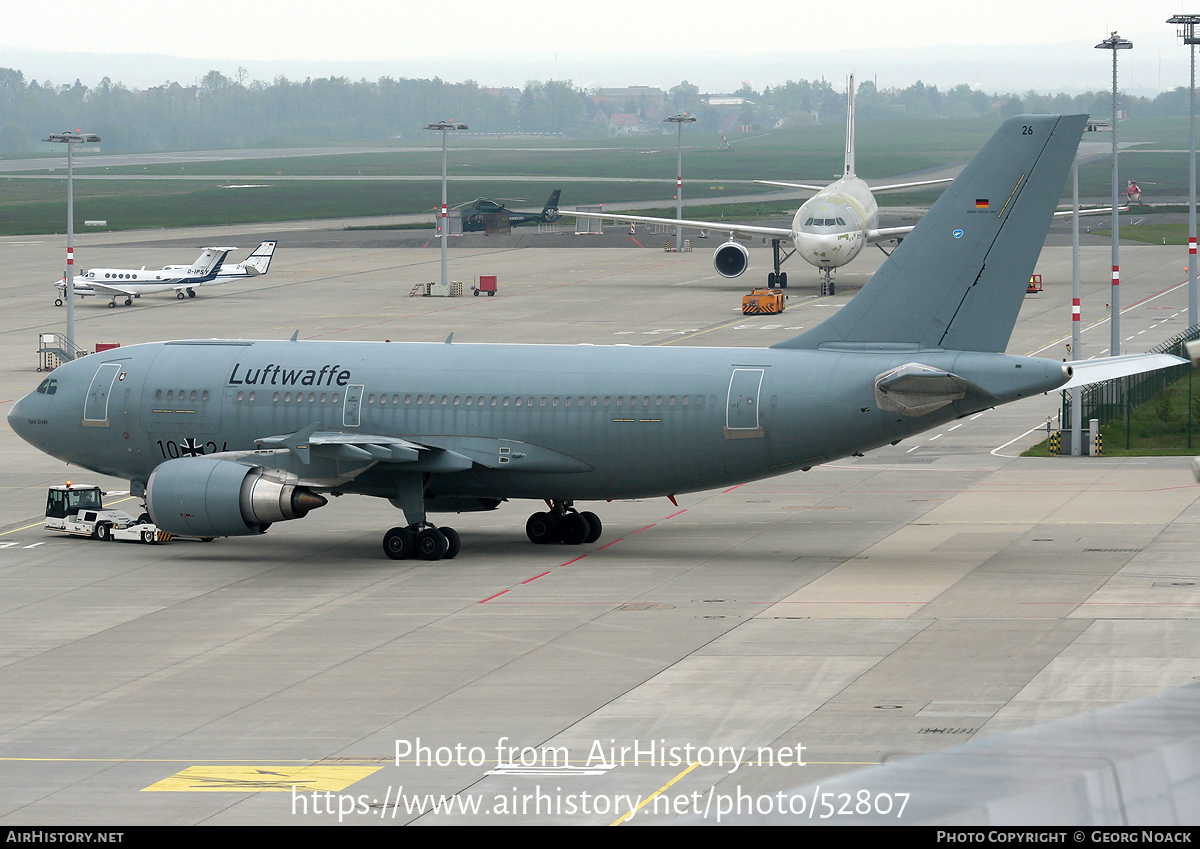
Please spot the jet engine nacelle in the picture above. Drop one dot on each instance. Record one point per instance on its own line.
(205, 497)
(731, 259)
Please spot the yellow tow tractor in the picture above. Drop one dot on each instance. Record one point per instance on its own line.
(763, 302)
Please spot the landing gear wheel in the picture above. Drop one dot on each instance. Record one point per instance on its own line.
(597, 527)
(783, 280)
(112, 304)
(191, 294)
(542, 528)
(432, 544)
(771, 278)
(102, 532)
(574, 529)
(454, 543)
(58, 302)
(180, 295)
(129, 302)
(149, 537)
(398, 543)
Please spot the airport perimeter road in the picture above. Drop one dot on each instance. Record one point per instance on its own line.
(870, 609)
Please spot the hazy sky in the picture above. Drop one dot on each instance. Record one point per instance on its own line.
(419, 39)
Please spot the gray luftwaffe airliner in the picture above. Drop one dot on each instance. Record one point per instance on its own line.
(226, 437)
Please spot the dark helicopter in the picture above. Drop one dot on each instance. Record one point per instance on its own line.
(485, 215)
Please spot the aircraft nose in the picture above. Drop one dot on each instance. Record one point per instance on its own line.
(18, 418)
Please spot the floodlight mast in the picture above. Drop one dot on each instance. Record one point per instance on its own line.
(1114, 43)
(1186, 30)
(444, 127)
(70, 139)
(679, 121)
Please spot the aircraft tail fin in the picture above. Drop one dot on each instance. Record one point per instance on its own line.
(260, 259)
(550, 211)
(210, 261)
(848, 170)
(958, 280)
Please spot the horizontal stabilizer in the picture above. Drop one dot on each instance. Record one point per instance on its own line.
(1086, 372)
(804, 187)
(920, 184)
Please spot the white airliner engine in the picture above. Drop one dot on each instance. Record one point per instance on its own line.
(731, 259)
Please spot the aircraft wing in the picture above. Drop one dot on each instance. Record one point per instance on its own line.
(719, 226)
(435, 453)
(887, 234)
(109, 289)
(1096, 210)
(1095, 371)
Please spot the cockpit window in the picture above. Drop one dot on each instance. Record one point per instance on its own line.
(48, 386)
(42, 386)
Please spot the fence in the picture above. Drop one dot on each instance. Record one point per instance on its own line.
(1116, 399)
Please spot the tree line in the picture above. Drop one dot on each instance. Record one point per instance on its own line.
(229, 112)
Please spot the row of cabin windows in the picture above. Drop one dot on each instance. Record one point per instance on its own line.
(286, 397)
(632, 401)
(181, 395)
(115, 276)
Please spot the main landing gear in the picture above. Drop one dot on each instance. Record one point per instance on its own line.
(563, 523)
(181, 294)
(422, 541)
(777, 278)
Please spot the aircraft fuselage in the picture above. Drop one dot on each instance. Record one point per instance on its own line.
(603, 422)
(832, 226)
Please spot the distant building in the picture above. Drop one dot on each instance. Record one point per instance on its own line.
(725, 100)
(630, 98)
(623, 124)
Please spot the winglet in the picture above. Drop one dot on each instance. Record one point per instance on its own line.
(450, 338)
(296, 335)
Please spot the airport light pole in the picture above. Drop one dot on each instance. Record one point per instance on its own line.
(70, 139)
(1114, 43)
(679, 121)
(1076, 336)
(1186, 29)
(445, 126)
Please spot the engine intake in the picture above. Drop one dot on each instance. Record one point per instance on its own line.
(731, 259)
(197, 496)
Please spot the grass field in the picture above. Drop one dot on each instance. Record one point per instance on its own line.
(805, 154)
(1158, 428)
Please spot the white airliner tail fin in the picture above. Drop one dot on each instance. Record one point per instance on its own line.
(848, 171)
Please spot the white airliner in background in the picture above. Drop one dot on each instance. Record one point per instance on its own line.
(130, 283)
(829, 230)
